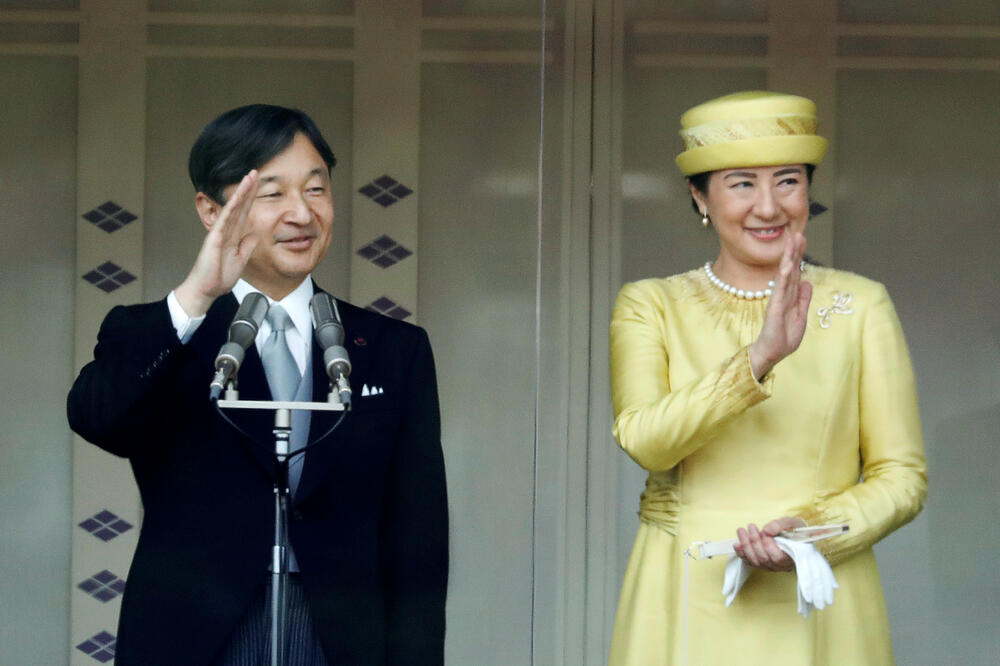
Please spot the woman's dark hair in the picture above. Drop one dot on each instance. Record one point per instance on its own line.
(700, 183)
(244, 139)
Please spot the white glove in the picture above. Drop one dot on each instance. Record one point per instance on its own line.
(816, 581)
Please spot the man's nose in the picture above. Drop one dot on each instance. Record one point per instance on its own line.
(298, 210)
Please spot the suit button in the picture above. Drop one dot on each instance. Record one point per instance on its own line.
(297, 515)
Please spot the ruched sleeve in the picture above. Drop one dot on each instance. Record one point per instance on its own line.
(656, 424)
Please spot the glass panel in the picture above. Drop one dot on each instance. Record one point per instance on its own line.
(697, 44)
(38, 139)
(917, 203)
(498, 40)
(482, 8)
(337, 7)
(697, 10)
(938, 47)
(39, 5)
(184, 94)
(251, 35)
(478, 210)
(39, 33)
(976, 12)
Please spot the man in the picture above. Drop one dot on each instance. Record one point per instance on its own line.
(368, 525)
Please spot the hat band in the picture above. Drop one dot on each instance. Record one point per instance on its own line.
(725, 131)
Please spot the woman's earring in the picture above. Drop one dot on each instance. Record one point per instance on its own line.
(704, 219)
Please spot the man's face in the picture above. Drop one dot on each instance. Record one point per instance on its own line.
(292, 215)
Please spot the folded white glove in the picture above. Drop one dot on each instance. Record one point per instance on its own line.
(816, 582)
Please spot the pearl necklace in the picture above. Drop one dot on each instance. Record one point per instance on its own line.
(748, 294)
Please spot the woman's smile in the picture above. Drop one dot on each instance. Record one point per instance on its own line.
(767, 234)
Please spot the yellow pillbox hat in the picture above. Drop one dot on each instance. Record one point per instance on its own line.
(748, 129)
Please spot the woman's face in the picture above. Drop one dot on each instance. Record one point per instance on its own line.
(754, 210)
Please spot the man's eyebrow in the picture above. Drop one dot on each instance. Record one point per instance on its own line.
(318, 171)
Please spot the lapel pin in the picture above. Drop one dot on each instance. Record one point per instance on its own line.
(360, 342)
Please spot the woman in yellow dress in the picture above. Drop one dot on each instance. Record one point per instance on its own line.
(760, 390)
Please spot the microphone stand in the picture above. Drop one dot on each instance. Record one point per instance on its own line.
(279, 551)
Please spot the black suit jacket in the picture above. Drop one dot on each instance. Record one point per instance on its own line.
(368, 523)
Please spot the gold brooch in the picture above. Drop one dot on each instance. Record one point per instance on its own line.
(841, 305)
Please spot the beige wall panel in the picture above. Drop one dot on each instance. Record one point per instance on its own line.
(478, 199)
(38, 163)
(917, 204)
(184, 95)
(386, 142)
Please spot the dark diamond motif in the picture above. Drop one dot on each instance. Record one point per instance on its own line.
(816, 208)
(103, 586)
(385, 190)
(106, 526)
(100, 646)
(389, 307)
(384, 252)
(109, 217)
(399, 313)
(109, 276)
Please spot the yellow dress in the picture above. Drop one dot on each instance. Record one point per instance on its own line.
(832, 435)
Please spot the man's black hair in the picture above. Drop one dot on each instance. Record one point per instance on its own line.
(246, 138)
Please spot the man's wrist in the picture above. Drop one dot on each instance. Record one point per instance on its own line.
(194, 303)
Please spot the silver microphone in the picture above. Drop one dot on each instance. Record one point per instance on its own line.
(242, 332)
(329, 334)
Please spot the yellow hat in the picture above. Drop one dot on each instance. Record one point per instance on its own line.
(748, 129)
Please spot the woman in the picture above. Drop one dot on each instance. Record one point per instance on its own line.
(755, 390)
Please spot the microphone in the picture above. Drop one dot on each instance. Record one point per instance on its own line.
(329, 334)
(242, 332)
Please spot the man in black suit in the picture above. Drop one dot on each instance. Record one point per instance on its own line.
(368, 527)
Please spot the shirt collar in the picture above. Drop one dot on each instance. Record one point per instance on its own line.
(296, 304)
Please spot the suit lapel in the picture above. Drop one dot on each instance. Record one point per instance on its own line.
(322, 457)
(251, 381)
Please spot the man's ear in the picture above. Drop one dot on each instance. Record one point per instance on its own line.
(208, 209)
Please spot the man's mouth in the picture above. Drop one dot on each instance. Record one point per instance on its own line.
(297, 242)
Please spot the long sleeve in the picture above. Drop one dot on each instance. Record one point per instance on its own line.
(417, 524)
(894, 470)
(656, 424)
(115, 395)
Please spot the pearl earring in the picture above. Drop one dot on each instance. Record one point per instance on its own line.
(704, 220)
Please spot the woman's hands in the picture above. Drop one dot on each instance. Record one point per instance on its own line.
(225, 251)
(787, 310)
(758, 549)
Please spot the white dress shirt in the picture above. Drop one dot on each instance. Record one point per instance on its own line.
(296, 304)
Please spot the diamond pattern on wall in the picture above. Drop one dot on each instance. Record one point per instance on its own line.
(109, 276)
(103, 586)
(100, 646)
(389, 307)
(384, 252)
(385, 190)
(109, 216)
(105, 525)
(816, 208)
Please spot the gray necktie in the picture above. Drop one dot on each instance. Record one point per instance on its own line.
(279, 365)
